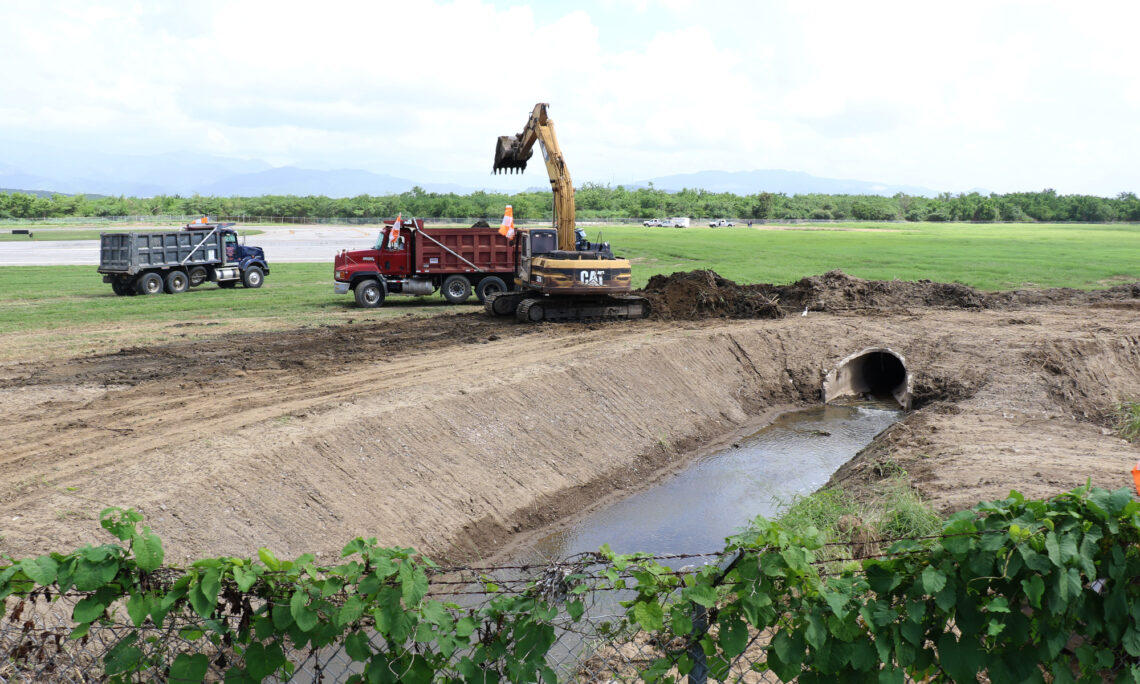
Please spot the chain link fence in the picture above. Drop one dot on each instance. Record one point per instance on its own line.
(601, 647)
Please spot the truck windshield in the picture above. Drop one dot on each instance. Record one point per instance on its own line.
(382, 242)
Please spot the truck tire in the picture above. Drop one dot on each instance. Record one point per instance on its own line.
(197, 276)
(369, 294)
(123, 288)
(456, 289)
(489, 285)
(252, 277)
(149, 284)
(177, 282)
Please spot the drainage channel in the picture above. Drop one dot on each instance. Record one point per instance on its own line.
(719, 494)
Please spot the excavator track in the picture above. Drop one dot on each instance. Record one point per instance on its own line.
(564, 309)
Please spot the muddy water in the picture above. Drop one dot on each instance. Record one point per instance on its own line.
(720, 493)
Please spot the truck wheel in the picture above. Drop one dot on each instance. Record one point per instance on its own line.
(197, 276)
(122, 288)
(489, 285)
(149, 283)
(456, 289)
(369, 294)
(252, 277)
(177, 282)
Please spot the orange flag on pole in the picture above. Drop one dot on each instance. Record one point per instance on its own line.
(394, 234)
(507, 228)
(1136, 476)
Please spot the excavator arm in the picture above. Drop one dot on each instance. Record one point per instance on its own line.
(513, 152)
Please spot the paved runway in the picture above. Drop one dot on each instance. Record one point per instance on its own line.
(282, 244)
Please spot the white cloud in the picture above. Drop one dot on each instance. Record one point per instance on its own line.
(1006, 95)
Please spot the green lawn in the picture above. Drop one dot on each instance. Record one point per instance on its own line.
(87, 234)
(989, 257)
(985, 256)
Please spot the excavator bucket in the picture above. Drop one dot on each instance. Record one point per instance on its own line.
(507, 154)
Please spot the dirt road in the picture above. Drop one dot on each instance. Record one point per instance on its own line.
(455, 434)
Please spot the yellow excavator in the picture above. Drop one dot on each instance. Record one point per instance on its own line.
(560, 275)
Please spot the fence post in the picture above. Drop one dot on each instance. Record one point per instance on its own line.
(700, 672)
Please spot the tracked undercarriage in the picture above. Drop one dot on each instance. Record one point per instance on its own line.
(532, 307)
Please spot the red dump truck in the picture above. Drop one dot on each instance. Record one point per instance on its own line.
(457, 261)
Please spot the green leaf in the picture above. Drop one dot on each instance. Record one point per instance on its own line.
(268, 559)
(1034, 589)
(40, 570)
(932, 580)
(188, 668)
(649, 615)
(357, 647)
(147, 548)
(92, 574)
(787, 655)
(352, 609)
(305, 617)
(123, 656)
(733, 636)
(1131, 641)
(703, 594)
(414, 582)
(962, 660)
(573, 608)
(465, 627)
(244, 579)
(137, 608)
(88, 609)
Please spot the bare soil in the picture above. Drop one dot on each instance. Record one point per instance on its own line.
(458, 433)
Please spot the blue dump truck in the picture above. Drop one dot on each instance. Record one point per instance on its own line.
(175, 261)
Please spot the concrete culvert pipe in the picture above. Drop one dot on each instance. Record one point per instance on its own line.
(877, 371)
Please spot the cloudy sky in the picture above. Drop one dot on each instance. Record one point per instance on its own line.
(1002, 95)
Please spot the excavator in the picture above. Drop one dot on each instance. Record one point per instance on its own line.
(560, 276)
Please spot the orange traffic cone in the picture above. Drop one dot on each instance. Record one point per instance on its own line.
(507, 228)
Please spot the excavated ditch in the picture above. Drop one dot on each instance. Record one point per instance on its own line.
(457, 433)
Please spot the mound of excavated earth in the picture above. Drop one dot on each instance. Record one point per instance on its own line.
(704, 294)
(459, 433)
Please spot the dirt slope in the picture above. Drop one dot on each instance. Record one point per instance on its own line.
(454, 433)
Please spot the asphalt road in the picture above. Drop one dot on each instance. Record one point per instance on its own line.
(282, 244)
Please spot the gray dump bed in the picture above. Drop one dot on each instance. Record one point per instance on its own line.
(132, 252)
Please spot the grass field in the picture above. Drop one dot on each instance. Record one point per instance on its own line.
(985, 256)
(38, 235)
(81, 314)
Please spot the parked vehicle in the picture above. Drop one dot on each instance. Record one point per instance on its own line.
(174, 261)
(721, 223)
(457, 261)
(677, 222)
(655, 222)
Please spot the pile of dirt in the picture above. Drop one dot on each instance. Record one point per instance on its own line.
(694, 295)
(705, 294)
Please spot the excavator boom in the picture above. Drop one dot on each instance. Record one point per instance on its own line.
(512, 152)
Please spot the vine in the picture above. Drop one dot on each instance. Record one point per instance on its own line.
(1014, 590)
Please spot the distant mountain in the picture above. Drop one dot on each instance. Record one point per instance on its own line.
(778, 181)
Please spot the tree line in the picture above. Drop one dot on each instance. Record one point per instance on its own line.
(599, 201)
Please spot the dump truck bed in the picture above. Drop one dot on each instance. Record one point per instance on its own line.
(463, 250)
(132, 252)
